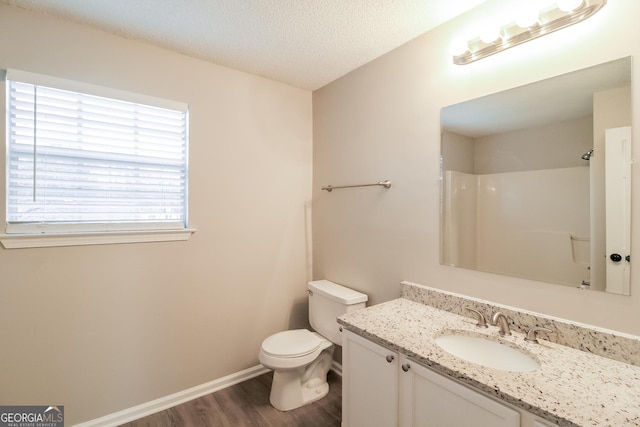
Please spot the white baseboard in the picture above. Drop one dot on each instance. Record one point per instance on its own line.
(174, 399)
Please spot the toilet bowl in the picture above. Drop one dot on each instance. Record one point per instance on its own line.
(300, 358)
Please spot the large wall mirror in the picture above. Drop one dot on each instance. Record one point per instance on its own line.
(536, 180)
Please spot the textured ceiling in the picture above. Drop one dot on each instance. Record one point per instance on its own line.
(303, 43)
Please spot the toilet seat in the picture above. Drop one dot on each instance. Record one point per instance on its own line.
(294, 343)
(292, 349)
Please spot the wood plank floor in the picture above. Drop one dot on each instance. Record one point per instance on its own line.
(247, 404)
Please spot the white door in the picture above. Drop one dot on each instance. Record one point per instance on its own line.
(369, 383)
(428, 399)
(618, 208)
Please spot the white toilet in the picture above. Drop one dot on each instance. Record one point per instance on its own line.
(300, 358)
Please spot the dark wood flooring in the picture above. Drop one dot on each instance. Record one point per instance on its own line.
(247, 404)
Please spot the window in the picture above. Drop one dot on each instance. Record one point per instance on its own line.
(86, 159)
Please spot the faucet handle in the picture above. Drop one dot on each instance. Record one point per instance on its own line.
(482, 321)
(532, 334)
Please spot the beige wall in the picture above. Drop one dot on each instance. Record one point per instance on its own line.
(382, 122)
(458, 152)
(103, 328)
(553, 146)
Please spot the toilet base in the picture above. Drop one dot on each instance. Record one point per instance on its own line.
(293, 388)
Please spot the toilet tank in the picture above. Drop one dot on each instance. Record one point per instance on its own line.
(327, 301)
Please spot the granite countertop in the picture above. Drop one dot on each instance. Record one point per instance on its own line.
(571, 388)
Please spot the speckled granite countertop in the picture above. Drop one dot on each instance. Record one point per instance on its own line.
(571, 388)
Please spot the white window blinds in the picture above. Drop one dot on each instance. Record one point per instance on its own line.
(80, 161)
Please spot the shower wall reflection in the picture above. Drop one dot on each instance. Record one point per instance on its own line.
(513, 209)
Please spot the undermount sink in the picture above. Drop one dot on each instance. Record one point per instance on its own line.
(487, 352)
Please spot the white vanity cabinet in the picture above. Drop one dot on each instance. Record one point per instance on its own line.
(381, 388)
(430, 399)
(369, 383)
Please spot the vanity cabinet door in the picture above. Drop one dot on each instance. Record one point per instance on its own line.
(430, 399)
(369, 383)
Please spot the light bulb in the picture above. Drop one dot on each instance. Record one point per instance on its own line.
(528, 17)
(458, 47)
(490, 35)
(569, 5)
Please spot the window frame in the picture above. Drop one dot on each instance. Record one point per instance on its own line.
(68, 235)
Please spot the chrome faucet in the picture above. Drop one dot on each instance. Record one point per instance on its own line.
(500, 320)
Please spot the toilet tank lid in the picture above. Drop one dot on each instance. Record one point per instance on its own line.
(337, 292)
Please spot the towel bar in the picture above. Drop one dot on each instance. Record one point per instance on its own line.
(385, 184)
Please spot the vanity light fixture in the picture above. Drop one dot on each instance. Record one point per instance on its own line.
(530, 25)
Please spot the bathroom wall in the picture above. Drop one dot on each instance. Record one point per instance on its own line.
(555, 145)
(382, 122)
(99, 329)
(458, 152)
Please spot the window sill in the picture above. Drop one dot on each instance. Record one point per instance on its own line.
(19, 241)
